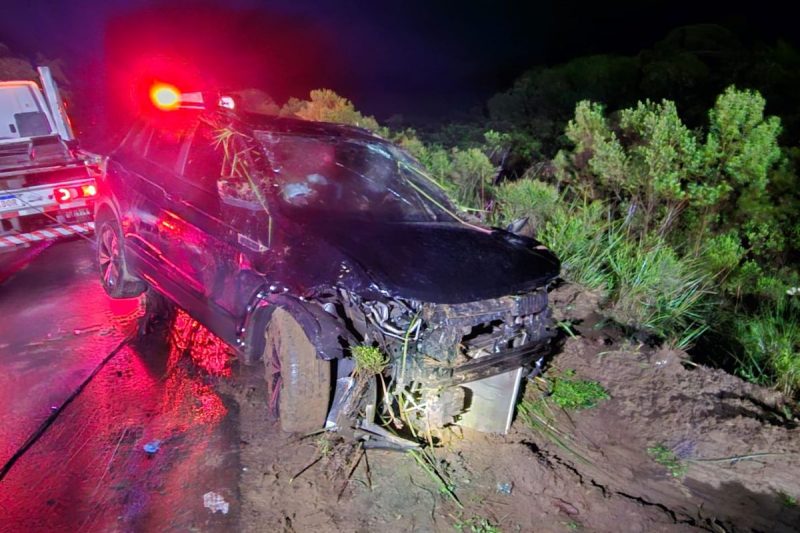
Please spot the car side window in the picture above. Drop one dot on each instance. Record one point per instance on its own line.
(165, 146)
(204, 161)
(135, 141)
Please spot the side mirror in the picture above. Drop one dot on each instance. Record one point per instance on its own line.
(238, 193)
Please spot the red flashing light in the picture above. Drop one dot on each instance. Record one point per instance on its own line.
(165, 97)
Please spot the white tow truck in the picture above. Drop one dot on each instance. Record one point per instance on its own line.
(47, 185)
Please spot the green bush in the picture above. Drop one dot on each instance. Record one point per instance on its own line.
(700, 224)
(325, 105)
(530, 198)
(659, 292)
(771, 345)
(580, 235)
(472, 174)
(666, 179)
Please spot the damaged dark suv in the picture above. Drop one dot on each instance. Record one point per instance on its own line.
(302, 243)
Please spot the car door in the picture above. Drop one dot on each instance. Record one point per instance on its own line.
(207, 251)
(139, 191)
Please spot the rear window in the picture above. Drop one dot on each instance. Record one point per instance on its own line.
(20, 113)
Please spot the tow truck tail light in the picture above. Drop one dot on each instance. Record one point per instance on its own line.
(63, 194)
(68, 194)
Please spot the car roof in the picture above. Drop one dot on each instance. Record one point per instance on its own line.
(256, 122)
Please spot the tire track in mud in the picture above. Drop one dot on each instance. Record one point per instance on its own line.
(555, 461)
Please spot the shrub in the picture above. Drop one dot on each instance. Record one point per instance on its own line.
(664, 178)
(771, 345)
(472, 173)
(658, 292)
(579, 234)
(529, 198)
(326, 106)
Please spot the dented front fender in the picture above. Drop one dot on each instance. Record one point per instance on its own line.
(326, 332)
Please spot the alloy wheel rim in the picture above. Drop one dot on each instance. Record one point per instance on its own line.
(109, 256)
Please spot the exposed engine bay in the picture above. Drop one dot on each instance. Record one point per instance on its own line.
(447, 364)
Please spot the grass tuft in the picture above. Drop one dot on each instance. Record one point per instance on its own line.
(576, 394)
(667, 458)
(538, 408)
(647, 286)
(578, 234)
(369, 360)
(771, 346)
(477, 524)
(659, 292)
(786, 499)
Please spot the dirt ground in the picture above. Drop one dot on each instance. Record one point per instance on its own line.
(741, 453)
(739, 443)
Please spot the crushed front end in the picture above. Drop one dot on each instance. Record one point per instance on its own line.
(448, 364)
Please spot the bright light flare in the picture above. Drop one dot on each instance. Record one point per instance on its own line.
(68, 194)
(63, 194)
(165, 97)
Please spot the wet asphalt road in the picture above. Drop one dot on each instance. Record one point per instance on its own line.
(88, 470)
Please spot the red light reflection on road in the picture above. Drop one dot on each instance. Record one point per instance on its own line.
(209, 408)
(194, 357)
(206, 350)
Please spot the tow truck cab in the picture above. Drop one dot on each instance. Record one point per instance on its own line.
(46, 185)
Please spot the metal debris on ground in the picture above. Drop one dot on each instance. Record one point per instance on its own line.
(215, 502)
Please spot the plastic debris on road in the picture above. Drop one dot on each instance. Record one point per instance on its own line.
(505, 488)
(152, 446)
(215, 502)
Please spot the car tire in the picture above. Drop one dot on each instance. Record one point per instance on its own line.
(114, 274)
(298, 381)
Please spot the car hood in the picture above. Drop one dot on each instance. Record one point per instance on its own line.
(441, 262)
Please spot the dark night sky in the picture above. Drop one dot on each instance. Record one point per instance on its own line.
(413, 57)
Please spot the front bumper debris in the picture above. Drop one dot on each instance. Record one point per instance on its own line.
(489, 365)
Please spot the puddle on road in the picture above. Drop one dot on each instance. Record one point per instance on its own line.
(90, 472)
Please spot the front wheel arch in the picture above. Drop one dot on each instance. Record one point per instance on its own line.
(328, 333)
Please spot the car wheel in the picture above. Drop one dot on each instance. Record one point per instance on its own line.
(298, 381)
(114, 274)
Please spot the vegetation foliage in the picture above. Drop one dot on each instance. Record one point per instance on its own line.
(571, 393)
(667, 458)
(369, 360)
(686, 230)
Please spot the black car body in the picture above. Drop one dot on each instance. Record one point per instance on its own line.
(234, 215)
